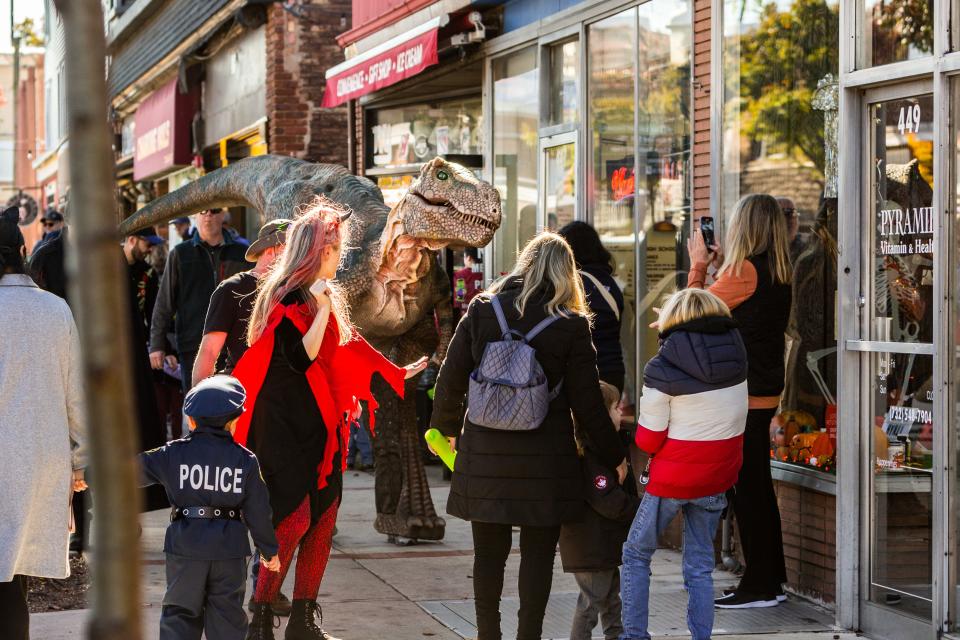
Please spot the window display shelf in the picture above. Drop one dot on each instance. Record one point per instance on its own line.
(907, 480)
(804, 477)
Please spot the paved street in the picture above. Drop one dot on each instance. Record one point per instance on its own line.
(376, 590)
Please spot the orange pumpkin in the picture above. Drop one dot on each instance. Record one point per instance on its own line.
(822, 446)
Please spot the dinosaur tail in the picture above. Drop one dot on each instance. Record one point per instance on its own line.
(243, 183)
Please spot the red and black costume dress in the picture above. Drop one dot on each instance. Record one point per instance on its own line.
(296, 423)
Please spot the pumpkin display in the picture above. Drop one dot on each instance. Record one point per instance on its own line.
(801, 446)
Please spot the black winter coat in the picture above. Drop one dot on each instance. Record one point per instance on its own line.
(528, 477)
(606, 323)
(596, 544)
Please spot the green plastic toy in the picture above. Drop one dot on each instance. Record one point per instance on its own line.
(441, 445)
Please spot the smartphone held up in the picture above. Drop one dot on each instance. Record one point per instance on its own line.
(707, 229)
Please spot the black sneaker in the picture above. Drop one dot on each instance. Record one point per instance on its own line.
(781, 596)
(744, 600)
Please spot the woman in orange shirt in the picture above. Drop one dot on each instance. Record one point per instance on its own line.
(754, 280)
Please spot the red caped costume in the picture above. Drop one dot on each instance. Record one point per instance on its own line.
(296, 423)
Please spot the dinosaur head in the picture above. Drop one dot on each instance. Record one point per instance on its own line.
(446, 206)
(449, 204)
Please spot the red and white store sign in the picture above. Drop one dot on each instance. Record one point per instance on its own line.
(381, 70)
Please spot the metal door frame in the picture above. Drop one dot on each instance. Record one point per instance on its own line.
(856, 484)
(551, 142)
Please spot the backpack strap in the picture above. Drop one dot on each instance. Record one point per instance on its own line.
(604, 293)
(501, 319)
(543, 324)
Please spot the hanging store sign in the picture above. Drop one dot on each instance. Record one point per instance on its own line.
(162, 131)
(395, 60)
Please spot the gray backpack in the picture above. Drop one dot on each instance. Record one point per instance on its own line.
(508, 390)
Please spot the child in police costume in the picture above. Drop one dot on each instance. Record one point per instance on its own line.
(218, 494)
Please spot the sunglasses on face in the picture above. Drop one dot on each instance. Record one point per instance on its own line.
(49, 225)
(789, 212)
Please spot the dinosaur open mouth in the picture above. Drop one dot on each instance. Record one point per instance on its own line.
(444, 207)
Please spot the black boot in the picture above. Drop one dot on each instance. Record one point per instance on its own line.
(261, 626)
(304, 619)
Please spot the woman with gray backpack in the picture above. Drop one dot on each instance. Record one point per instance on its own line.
(524, 356)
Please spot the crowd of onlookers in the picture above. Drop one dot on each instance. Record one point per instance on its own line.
(708, 398)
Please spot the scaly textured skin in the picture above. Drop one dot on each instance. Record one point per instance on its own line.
(397, 293)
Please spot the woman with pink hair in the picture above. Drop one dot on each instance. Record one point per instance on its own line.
(305, 373)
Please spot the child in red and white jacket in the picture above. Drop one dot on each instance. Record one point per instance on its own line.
(691, 419)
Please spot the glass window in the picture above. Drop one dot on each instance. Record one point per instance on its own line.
(559, 185)
(897, 30)
(899, 293)
(664, 160)
(564, 82)
(412, 134)
(779, 136)
(612, 68)
(645, 52)
(516, 119)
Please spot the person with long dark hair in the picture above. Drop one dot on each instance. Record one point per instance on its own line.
(604, 298)
(754, 281)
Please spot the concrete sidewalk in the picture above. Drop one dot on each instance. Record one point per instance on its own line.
(373, 589)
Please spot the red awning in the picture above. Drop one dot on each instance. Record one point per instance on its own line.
(402, 57)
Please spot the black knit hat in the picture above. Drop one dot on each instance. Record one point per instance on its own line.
(11, 240)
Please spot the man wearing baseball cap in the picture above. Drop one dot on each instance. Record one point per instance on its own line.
(52, 222)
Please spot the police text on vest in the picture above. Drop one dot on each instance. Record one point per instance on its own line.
(223, 479)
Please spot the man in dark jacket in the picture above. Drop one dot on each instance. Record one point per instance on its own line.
(194, 269)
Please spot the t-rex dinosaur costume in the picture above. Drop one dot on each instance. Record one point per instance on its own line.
(398, 295)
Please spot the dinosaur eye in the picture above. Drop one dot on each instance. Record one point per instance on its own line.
(442, 175)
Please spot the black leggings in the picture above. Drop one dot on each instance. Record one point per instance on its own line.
(758, 516)
(538, 548)
(14, 617)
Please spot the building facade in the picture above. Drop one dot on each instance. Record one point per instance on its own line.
(194, 86)
(643, 117)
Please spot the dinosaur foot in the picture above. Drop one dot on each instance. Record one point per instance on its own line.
(411, 527)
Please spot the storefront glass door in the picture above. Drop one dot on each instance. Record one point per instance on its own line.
(897, 429)
(558, 193)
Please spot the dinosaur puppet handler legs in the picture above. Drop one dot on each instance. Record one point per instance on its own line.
(404, 505)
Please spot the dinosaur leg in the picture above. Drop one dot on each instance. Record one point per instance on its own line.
(404, 505)
(389, 470)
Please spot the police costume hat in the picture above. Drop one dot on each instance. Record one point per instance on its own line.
(216, 400)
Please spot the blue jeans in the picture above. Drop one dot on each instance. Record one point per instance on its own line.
(700, 518)
(359, 446)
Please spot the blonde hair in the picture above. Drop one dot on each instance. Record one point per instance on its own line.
(318, 227)
(690, 304)
(546, 265)
(758, 226)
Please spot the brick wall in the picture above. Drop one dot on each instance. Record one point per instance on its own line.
(809, 540)
(701, 107)
(299, 51)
